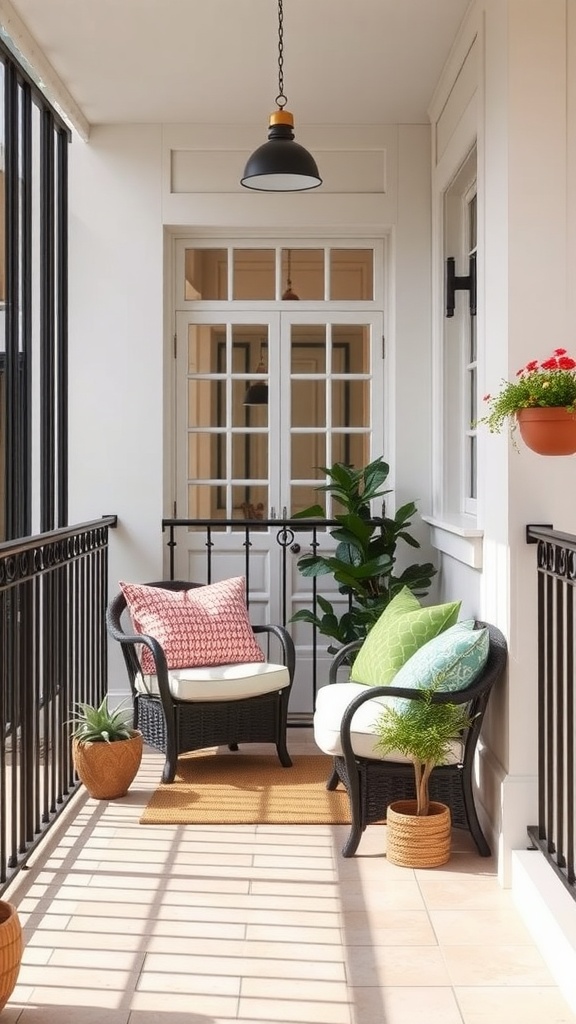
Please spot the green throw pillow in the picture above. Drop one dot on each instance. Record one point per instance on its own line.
(397, 635)
(450, 661)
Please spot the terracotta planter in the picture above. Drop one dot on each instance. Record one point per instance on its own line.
(108, 769)
(11, 947)
(548, 431)
(418, 842)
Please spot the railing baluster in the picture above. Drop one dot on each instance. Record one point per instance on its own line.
(53, 644)
(554, 834)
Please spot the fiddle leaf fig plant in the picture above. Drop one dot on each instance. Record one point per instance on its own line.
(364, 561)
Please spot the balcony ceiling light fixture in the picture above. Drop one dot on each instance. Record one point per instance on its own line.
(281, 165)
(257, 393)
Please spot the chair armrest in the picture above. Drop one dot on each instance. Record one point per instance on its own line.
(286, 643)
(340, 658)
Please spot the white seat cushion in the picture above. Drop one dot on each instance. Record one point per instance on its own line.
(220, 682)
(331, 703)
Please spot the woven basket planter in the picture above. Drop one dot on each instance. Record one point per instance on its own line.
(11, 947)
(416, 841)
(108, 769)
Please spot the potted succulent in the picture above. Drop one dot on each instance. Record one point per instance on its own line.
(106, 750)
(541, 402)
(364, 562)
(419, 830)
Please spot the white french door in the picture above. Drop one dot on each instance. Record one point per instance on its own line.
(324, 403)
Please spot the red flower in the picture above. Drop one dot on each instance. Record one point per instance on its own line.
(559, 351)
(566, 363)
(531, 366)
(550, 364)
(486, 398)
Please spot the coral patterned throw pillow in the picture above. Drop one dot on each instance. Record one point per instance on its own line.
(207, 625)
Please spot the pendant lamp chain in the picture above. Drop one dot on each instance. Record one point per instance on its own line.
(281, 99)
(281, 164)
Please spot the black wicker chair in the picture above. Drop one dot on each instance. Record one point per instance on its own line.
(373, 784)
(176, 726)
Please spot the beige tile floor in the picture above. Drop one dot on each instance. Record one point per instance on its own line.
(132, 924)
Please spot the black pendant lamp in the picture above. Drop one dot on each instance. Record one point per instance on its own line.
(257, 393)
(281, 165)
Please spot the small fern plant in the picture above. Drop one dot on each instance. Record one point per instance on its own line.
(422, 731)
(101, 725)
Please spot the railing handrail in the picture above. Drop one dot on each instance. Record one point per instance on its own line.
(21, 544)
(303, 524)
(535, 533)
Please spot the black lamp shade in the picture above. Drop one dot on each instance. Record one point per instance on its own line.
(281, 165)
(257, 394)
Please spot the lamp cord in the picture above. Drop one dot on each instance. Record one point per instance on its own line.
(281, 99)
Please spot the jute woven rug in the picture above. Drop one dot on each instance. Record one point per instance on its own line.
(239, 788)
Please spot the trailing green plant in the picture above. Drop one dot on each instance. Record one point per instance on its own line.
(422, 731)
(101, 725)
(363, 563)
(546, 385)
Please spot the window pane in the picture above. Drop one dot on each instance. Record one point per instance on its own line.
(302, 274)
(205, 274)
(473, 391)
(308, 403)
(473, 345)
(206, 403)
(250, 502)
(350, 403)
(472, 223)
(254, 274)
(206, 348)
(351, 274)
(472, 448)
(308, 455)
(304, 496)
(351, 449)
(308, 349)
(250, 456)
(350, 348)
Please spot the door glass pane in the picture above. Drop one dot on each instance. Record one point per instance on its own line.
(205, 399)
(303, 496)
(205, 502)
(307, 455)
(308, 403)
(308, 349)
(350, 403)
(205, 274)
(355, 341)
(250, 456)
(254, 274)
(250, 502)
(206, 348)
(351, 449)
(302, 274)
(351, 274)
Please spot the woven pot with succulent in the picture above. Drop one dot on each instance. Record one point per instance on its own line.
(106, 750)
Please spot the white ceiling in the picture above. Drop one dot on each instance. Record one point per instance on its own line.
(347, 62)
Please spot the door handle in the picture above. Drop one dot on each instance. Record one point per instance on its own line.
(295, 549)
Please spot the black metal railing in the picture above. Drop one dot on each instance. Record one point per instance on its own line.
(554, 833)
(284, 534)
(53, 592)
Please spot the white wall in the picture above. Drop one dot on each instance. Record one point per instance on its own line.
(527, 201)
(131, 191)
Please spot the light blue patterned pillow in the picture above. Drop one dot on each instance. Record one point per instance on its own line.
(450, 661)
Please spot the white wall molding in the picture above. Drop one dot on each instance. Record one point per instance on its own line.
(27, 52)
